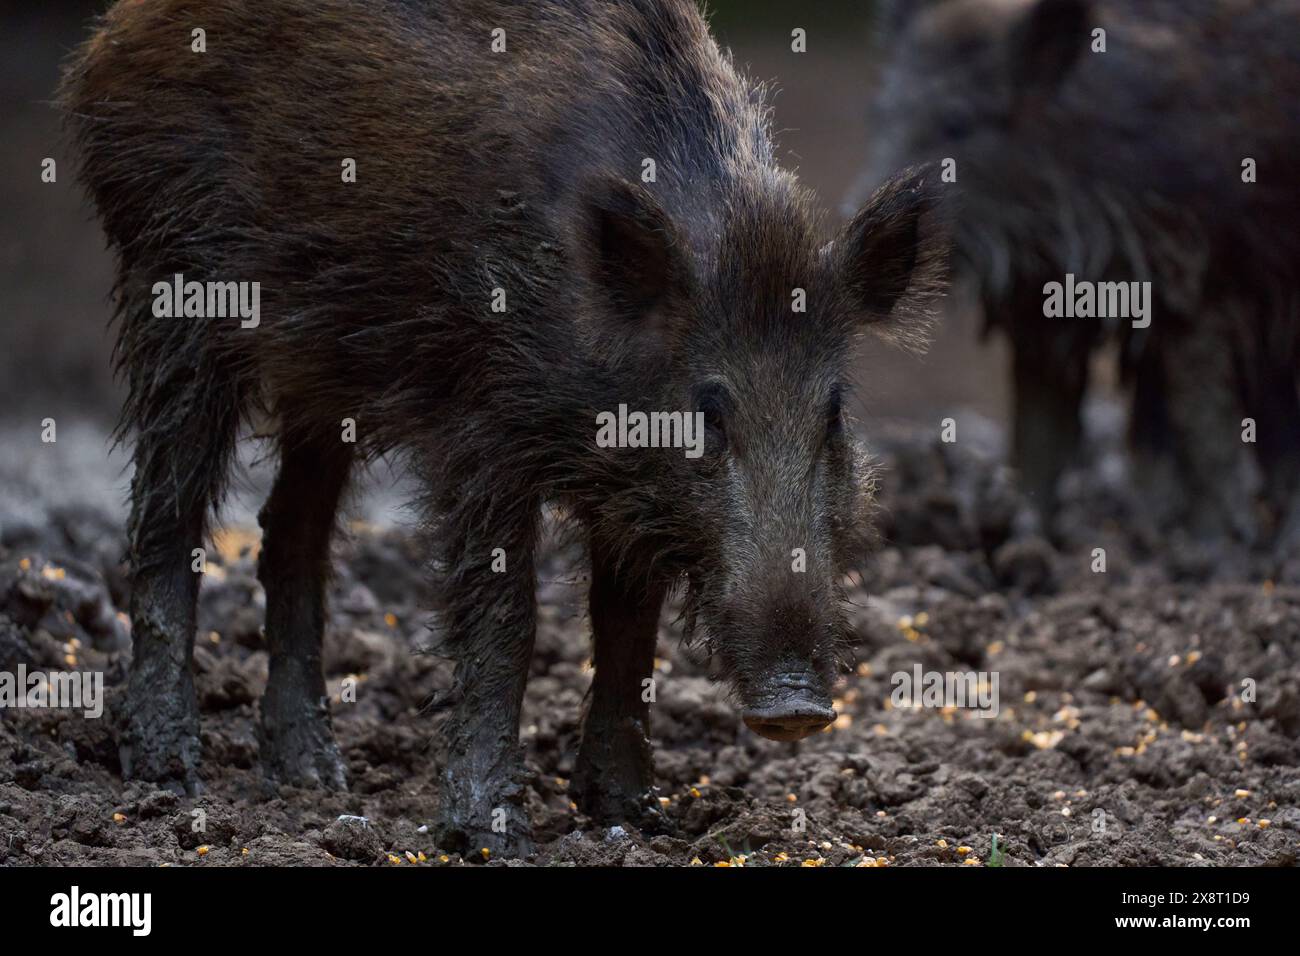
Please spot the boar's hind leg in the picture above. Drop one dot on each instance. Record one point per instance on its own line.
(185, 428)
(1051, 376)
(489, 618)
(1205, 421)
(614, 777)
(297, 744)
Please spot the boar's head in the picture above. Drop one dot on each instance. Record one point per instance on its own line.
(747, 322)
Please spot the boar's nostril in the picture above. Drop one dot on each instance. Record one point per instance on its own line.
(790, 719)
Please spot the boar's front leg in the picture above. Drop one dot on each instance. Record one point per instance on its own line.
(185, 435)
(489, 615)
(613, 780)
(1050, 367)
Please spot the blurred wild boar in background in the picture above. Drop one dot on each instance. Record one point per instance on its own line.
(1173, 157)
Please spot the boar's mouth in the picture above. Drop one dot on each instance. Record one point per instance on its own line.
(793, 708)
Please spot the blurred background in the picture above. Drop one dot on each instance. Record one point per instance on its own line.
(55, 272)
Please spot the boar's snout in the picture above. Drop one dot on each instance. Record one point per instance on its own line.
(793, 708)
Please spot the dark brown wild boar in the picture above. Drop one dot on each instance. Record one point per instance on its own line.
(501, 272)
(1126, 165)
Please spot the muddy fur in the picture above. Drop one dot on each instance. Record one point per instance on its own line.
(479, 171)
(1125, 166)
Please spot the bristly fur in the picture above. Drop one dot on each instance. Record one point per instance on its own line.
(516, 171)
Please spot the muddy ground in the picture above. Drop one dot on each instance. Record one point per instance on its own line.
(1125, 733)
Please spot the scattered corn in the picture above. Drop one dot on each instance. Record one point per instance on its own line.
(1043, 739)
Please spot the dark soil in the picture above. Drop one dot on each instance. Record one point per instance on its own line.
(1122, 739)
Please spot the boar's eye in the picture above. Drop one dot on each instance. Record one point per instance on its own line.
(713, 402)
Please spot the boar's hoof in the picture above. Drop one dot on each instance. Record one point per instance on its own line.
(613, 780)
(484, 798)
(608, 797)
(646, 813)
(158, 740)
(301, 752)
(505, 837)
(610, 806)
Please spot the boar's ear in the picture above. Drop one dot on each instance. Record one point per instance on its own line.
(1046, 42)
(632, 256)
(891, 260)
